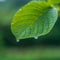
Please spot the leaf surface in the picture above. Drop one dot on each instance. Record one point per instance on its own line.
(33, 20)
(54, 1)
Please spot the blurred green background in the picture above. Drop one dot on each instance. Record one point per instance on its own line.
(44, 48)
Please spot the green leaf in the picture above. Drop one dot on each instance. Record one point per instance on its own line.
(39, 0)
(54, 1)
(33, 20)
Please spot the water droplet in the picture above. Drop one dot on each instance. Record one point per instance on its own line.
(17, 40)
(36, 37)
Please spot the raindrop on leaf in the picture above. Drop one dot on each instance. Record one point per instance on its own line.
(17, 40)
(36, 37)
